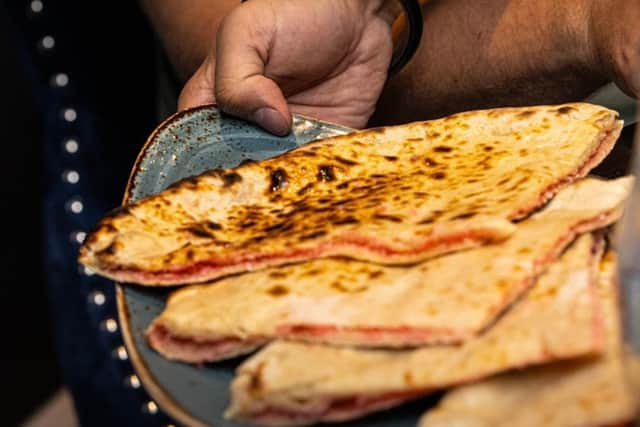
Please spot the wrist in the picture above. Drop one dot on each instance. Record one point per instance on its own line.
(596, 40)
(403, 19)
(574, 40)
(614, 42)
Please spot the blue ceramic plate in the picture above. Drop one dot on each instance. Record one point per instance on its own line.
(188, 144)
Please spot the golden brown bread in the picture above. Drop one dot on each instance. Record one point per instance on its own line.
(339, 301)
(591, 392)
(392, 196)
(290, 383)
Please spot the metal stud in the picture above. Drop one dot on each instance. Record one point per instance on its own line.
(36, 6)
(71, 145)
(75, 205)
(59, 80)
(132, 381)
(47, 42)
(69, 115)
(110, 325)
(71, 176)
(150, 407)
(97, 297)
(78, 237)
(120, 353)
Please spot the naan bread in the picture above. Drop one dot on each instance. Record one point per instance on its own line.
(294, 384)
(339, 301)
(393, 196)
(592, 392)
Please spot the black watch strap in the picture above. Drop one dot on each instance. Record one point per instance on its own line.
(401, 57)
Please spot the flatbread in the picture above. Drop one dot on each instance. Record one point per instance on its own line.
(339, 301)
(290, 383)
(592, 392)
(392, 195)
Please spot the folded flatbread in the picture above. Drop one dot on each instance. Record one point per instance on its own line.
(290, 383)
(339, 301)
(392, 195)
(591, 392)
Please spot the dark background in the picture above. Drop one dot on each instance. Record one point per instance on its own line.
(109, 54)
(27, 359)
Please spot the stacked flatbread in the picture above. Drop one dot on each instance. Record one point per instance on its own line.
(383, 265)
(595, 391)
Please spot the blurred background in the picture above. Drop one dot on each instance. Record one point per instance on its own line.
(55, 56)
(71, 70)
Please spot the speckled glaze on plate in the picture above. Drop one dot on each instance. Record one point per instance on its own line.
(188, 144)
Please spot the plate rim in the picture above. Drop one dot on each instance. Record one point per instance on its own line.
(151, 385)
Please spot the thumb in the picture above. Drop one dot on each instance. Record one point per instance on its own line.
(241, 88)
(254, 98)
(257, 99)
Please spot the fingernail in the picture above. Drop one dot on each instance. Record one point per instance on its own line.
(271, 120)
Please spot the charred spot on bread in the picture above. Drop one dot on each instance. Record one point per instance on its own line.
(313, 272)
(325, 173)
(347, 162)
(525, 114)
(430, 162)
(277, 274)
(202, 229)
(304, 189)
(375, 274)
(197, 230)
(278, 291)
(110, 249)
(392, 218)
(313, 235)
(230, 178)
(255, 380)
(408, 378)
(338, 286)
(345, 220)
(442, 149)
(565, 110)
(465, 215)
(212, 225)
(281, 226)
(278, 179)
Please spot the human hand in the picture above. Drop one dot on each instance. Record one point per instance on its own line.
(326, 59)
